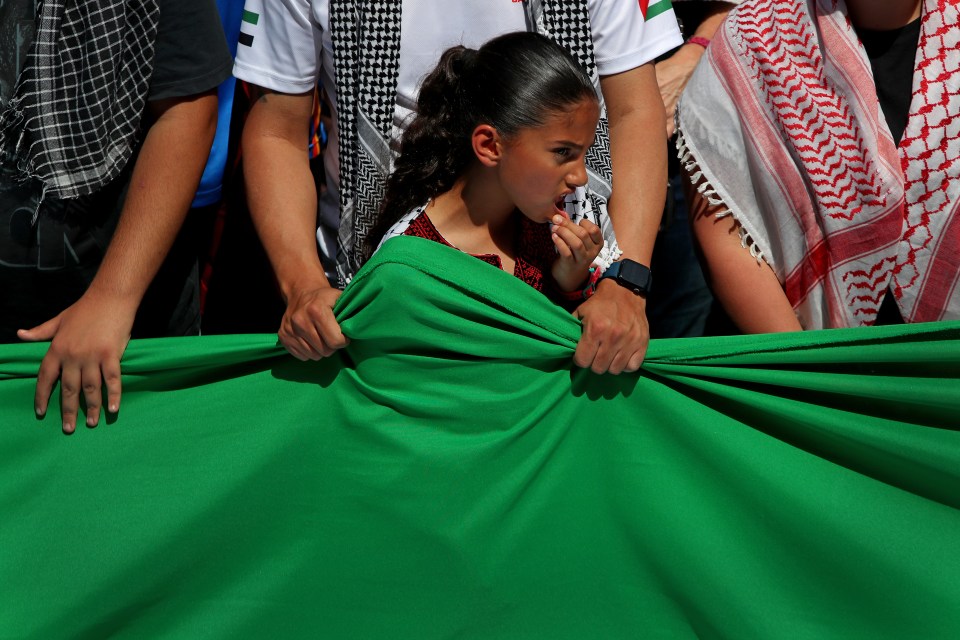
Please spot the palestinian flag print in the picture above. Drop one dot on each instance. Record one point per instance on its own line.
(250, 22)
(652, 8)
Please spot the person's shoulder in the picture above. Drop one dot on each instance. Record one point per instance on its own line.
(278, 44)
(191, 54)
(627, 35)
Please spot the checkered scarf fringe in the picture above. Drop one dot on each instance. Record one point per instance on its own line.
(366, 42)
(75, 112)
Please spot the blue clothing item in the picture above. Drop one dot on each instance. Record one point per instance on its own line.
(680, 300)
(211, 184)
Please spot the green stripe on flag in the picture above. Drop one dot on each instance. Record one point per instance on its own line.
(656, 8)
(251, 17)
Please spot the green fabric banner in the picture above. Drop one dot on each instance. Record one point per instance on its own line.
(451, 474)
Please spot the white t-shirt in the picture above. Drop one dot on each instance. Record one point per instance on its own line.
(286, 46)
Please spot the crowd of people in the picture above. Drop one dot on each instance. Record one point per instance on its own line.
(805, 149)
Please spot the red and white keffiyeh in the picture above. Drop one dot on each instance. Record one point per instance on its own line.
(782, 126)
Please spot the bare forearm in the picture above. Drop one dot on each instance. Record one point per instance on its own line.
(747, 288)
(639, 154)
(281, 191)
(283, 203)
(162, 186)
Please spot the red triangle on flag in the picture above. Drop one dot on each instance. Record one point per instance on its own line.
(643, 7)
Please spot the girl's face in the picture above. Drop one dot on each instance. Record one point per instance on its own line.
(540, 166)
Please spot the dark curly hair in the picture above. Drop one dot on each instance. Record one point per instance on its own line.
(513, 82)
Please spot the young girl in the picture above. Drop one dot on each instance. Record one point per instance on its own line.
(493, 158)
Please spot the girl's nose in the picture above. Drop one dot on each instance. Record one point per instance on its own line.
(578, 177)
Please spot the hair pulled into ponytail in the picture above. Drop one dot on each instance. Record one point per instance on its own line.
(514, 81)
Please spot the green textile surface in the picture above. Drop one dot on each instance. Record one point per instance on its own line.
(452, 475)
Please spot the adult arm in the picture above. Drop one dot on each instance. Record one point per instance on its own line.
(747, 288)
(615, 331)
(90, 336)
(674, 72)
(282, 197)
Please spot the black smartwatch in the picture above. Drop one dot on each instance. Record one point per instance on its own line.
(629, 274)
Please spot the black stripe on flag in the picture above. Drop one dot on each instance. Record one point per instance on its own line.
(246, 39)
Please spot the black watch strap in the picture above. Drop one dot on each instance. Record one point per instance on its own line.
(631, 275)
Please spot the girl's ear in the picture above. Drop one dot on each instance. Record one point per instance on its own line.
(487, 145)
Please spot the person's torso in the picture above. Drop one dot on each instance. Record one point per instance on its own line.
(429, 28)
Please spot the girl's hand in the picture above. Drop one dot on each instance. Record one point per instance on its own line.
(577, 247)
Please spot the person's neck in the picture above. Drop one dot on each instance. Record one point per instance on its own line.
(883, 15)
(471, 216)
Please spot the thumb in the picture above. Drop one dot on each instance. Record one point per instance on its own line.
(41, 332)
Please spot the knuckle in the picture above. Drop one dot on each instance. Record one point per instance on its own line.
(600, 326)
(295, 350)
(616, 367)
(64, 354)
(319, 311)
(297, 326)
(286, 336)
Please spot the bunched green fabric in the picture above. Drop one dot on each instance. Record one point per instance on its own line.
(451, 474)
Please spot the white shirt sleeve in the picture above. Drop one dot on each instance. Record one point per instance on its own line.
(626, 37)
(280, 45)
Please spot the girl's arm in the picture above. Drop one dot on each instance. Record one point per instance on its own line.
(747, 288)
(577, 245)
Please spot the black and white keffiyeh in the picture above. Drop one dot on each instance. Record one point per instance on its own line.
(73, 119)
(366, 42)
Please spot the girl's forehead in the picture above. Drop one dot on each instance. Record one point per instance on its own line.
(580, 115)
(576, 125)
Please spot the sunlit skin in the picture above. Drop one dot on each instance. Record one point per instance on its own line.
(750, 290)
(531, 172)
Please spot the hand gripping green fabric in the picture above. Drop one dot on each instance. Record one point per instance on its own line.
(452, 474)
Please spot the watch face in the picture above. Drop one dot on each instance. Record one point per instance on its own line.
(630, 275)
(634, 275)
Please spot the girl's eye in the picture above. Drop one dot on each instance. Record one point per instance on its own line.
(563, 152)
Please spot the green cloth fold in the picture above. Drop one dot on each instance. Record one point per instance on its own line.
(451, 474)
